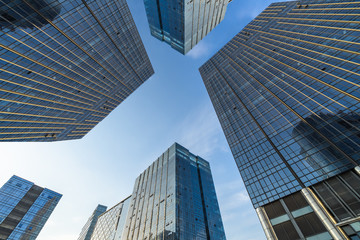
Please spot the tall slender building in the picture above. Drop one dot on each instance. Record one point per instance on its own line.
(286, 92)
(65, 65)
(173, 199)
(182, 24)
(24, 209)
(89, 227)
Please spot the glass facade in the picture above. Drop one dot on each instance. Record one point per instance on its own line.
(175, 199)
(88, 229)
(183, 23)
(286, 92)
(297, 217)
(340, 195)
(65, 65)
(293, 218)
(111, 223)
(24, 208)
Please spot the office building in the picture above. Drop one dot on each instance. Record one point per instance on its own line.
(174, 198)
(286, 92)
(24, 208)
(88, 229)
(65, 65)
(111, 223)
(182, 24)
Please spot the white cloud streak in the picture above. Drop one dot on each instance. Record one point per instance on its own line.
(200, 131)
(202, 49)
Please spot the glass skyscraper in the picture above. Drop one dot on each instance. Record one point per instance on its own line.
(286, 92)
(182, 24)
(89, 227)
(24, 209)
(173, 199)
(65, 65)
(110, 224)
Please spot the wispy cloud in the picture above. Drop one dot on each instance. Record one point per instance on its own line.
(200, 131)
(235, 206)
(202, 49)
(235, 201)
(236, 195)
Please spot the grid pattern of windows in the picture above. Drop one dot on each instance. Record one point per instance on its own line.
(174, 199)
(24, 208)
(107, 224)
(340, 195)
(65, 65)
(293, 218)
(286, 92)
(183, 23)
(89, 227)
(352, 230)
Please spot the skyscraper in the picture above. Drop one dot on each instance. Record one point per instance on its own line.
(111, 224)
(174, 198)
(286, 92)
(182, 24)
(89, 227)
(24, 208)
(65, 65)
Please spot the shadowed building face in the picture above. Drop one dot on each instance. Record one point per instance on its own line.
(65, 66)
(28, 14)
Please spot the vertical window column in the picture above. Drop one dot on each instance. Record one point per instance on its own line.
(324, 216)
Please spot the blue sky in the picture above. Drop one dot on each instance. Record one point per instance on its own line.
(172, 106)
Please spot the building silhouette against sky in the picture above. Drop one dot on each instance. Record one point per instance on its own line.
(24, 208)
(89, 227)
(65, 65)
(182, 24)
(173, 199)
(286, 92)
(111, 224)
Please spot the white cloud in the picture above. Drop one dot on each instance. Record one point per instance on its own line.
(234, 195)
(235, 201)
(241, 197)
(202, 49)
(200, 131)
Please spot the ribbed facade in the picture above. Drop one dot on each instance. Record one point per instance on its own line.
(183, 23)
(24, 209)
(65, 65)
(175, 199)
